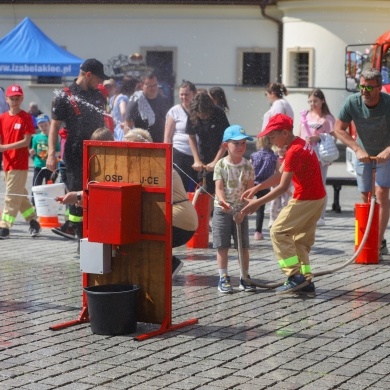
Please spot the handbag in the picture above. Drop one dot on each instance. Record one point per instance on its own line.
(327, 148)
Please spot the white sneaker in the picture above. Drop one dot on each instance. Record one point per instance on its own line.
(321, 222)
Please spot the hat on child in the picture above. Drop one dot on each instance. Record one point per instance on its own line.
(95, 67)
(235, 133)
(42, 118)
(277, 122)
(14, 90)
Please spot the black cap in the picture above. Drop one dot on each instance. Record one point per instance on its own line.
(95, 67)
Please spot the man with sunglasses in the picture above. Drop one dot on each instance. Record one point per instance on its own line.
(369, 109)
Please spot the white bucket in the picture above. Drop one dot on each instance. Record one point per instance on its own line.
(45, 204)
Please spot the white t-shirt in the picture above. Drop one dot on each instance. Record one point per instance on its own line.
(280, 106)
(180, 140)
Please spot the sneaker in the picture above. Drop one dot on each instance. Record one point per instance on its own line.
(4, 233)
(224, 285)
(35, 228)
(67, 230)
(258, 236)
(177, 265)
(321, 222)
(293, 283)
(383, 249)
(246, 286)
(309, 290)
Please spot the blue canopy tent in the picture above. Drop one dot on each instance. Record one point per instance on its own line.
(26, 50)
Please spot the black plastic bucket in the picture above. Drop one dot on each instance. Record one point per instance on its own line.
(112, 308)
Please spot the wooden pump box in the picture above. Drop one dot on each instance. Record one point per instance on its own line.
(114, 213)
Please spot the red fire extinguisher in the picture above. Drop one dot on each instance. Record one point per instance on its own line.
(369, 253)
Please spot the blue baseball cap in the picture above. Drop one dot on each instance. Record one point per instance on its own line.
(43, 118)
(235, 133)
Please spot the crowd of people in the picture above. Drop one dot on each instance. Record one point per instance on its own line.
(286, 171)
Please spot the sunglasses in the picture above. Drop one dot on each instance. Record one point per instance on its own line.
(368, 88)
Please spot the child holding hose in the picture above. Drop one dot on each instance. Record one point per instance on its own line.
(233, 175)
(293, 232)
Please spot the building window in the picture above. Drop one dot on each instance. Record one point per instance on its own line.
(300, 68)
(163, 61)
(256, 67)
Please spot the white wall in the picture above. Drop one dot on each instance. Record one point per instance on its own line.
(207, 39)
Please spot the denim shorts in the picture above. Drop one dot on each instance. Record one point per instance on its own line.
(224, 228)
(364, 175)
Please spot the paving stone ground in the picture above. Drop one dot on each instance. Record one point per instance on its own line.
(244, 341)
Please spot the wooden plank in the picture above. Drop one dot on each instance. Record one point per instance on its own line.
(145, 166)
(142, 263)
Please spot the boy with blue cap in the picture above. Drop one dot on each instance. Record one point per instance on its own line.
(38, 151)
(233, 175)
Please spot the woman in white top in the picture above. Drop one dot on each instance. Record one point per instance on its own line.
(274, 93)
(175, 133)
(315, 121)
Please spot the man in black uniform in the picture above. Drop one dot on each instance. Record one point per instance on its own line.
(79, 109)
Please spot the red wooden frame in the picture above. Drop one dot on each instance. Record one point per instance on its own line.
(166, 325)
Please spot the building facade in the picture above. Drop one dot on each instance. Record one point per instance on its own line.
(238, 45)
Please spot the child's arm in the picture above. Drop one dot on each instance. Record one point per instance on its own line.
(281, 188)
(25, 142)
(220, 194)
(270, 182)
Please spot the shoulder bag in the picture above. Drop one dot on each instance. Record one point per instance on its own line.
(327, 148)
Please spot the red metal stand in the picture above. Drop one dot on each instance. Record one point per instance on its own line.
(102, 149)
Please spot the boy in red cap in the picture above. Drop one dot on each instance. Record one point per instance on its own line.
(293, 232)
(16, 130)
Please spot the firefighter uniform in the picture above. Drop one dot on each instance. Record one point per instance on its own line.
(81, 111)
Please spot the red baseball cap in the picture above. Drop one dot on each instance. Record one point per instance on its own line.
(277, 122)
(14, 90)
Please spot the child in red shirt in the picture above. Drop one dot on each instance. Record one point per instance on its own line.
(293, 232)
(16, 130)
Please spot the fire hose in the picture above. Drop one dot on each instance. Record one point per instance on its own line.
(274, 285)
